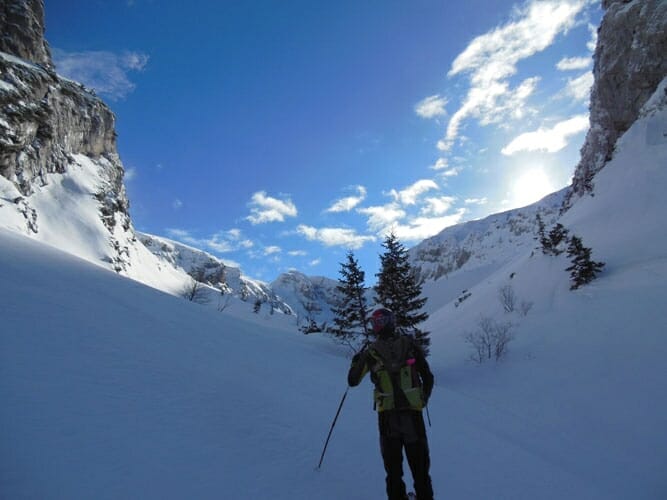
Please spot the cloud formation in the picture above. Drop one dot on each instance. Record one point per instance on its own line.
(579, 88)
(551, 139)
(440, 164)
(382, 216)
(105, 72)
(270, 250)
(265, 209)
(334, 236)
(221, 242)
(348, 203)
(420, 228)
(476, 201)
(431, 107)
(574, 63)
(491, 59)
(437, 206)
(410, 195)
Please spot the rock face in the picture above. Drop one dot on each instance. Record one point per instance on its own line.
(630, 62)
(46, 120)
(22, 28)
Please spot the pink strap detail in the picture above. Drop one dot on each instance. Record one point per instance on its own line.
(411, 361)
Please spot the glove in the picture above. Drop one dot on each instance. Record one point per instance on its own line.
(358, 356)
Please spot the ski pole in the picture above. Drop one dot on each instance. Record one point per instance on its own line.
(332, 427)
(428, 416)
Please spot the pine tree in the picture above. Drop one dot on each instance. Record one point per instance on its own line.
(557, 235)
(351, 311)
(399, 290)
(583, 270)
(541, 236)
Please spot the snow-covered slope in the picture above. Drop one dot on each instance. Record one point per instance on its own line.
(461, 256)
(115, 390)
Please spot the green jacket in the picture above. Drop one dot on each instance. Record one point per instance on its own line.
(398, 367)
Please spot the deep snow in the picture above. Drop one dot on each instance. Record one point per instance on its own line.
(112, 389)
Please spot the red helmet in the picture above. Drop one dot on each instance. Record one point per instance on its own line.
(383, 320)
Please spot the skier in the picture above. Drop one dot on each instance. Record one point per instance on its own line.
(403, 383)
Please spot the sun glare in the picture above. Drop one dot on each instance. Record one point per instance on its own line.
(531, 186)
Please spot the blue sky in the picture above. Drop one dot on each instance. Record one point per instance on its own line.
(279, 134)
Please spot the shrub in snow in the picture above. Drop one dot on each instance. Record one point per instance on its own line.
(525, 307)
(195, 291)
(465, 294)
(490, 340)
(583, 269)
(507, 298)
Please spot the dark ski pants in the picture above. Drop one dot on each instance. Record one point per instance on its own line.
(401, 430)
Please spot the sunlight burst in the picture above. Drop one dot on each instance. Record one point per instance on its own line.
(531, 186)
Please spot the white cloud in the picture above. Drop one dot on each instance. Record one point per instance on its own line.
(221, 242)
(579, 88)
(452, 172)
(440, 164)
(334, 236)
(383, 216)
(348, 203)
(264, 209)
(421, 228)
(491, 59)
(431, 107)
(297, 253)
(437, 206)
(409, 195)
(130, 174)
(476, 201)
(592, 43)
(315, 262)
(270, 250)
(574, 63)
(550, 140)
(105, 72)
(176, 204)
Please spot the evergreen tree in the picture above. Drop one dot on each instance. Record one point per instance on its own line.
(583, 270)
(351, 312)
(399, 290)
(541, 236)
(557, 235)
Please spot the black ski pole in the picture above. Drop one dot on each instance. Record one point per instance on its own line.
(428, 416)
(332, 427)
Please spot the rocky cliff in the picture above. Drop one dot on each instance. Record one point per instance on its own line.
(22, 29)
(630, 63)
(46, 121)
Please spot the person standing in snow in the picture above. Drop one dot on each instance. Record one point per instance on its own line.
(403, 383)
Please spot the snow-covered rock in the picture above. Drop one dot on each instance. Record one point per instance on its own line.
(311, 297)
(630, 62)
(493, 240)
(208, 269)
